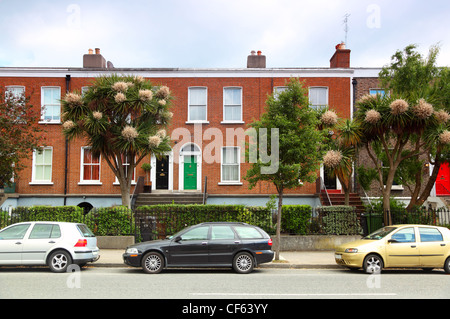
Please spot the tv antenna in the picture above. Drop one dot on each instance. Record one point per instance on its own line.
(345, 23)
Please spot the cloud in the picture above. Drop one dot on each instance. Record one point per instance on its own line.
(218, 33)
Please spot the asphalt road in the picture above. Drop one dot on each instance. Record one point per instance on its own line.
(262, 284)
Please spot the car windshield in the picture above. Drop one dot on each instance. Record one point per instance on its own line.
(170, 237)
(380, 233)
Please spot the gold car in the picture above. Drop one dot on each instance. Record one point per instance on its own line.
(418, 246)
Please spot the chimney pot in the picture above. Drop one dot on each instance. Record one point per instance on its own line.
(256, 61)
(94, 60)
(253, 52)
(90, 51)
(341, 58)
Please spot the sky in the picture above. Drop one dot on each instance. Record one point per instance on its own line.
(218, 33)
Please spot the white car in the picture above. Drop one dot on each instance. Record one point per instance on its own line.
(56, 244)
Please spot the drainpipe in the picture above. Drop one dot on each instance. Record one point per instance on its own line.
(66, 148)
(355, 174)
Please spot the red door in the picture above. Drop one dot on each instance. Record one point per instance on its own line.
(443, 180)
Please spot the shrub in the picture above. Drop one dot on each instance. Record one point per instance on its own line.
(295, 219)
(172, 218)
(110, 221)
(340, 220)
(72, 214)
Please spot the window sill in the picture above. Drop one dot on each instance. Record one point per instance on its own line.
(97, 183)
(40, 183)
(118, 184)
(232, 122)
(229, 183)
(49, 122)
(197, 122)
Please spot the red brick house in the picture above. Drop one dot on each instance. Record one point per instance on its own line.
(212, 109)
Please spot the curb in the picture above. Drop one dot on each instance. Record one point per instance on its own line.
(281, 266)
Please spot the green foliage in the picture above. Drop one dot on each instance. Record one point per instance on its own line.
(299, 140)
(409, 73)
(173, 218)
(72, 214)
(340, 220)
(295, 219)
(394, 204)
(19, 134)
(110, 221)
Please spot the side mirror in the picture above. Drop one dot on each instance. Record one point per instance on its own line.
(177, 239)
(392, 241)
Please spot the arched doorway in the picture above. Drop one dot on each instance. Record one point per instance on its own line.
(86, 207)
(190, 167)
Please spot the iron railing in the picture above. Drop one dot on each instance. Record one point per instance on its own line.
(154, 223)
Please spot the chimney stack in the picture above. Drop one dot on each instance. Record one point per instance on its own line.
(96, 60)
(256, 61)
(341, 58)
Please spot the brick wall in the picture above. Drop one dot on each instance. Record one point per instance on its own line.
(255, 91)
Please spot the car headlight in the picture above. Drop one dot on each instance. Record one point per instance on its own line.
(351, 250)
(132, 251)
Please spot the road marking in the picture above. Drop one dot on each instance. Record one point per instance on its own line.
(287, 295)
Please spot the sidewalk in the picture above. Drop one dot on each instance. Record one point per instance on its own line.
(288, 259)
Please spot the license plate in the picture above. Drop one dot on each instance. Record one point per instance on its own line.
(338, 256)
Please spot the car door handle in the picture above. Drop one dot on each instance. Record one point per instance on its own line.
(442, 244)
(237, 242)
(413, 246)
(204, 243)
(51, 242)
(19, 243)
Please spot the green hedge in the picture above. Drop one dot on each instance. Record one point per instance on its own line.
(295, 219)
(110, 221)
(72, 214)
(339, 220)
(172, 218)
(166, 219)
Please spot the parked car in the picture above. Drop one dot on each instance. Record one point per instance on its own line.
(404, 246)
(55, 244)
(237, 245)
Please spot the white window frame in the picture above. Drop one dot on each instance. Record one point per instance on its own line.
(133, 182)
(230, 182)
(43, 106)
(278, 89)
(35, 181)
(11, 89)
(239, 121)
(190, 120)
(318, 106)
(89, 181)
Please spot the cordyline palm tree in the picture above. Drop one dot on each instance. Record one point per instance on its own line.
(342, 149)
(123, 119)
(398, 129)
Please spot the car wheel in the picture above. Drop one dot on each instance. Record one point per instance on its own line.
(243, 263)
(447, 266)
(152, 263)
(373, 264)
(59, 261)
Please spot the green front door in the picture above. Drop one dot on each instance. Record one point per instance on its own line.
(190, 172)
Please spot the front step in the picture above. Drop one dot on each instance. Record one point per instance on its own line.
(160, 198)
(338, 199)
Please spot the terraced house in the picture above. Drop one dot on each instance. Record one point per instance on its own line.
(211, 111)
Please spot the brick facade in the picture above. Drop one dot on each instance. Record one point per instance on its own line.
(256, 84)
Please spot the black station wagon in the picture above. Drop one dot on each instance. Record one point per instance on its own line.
(221, 244)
